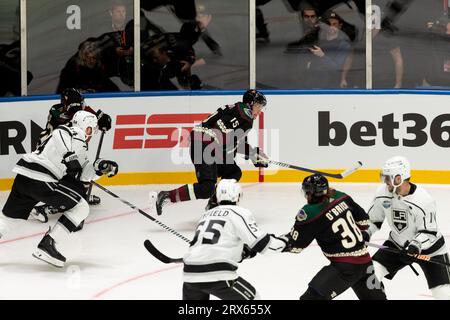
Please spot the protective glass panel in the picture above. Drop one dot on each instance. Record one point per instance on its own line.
(10, 48)
(80, 43)
(412, 48)
(310, 44)
(192, 45)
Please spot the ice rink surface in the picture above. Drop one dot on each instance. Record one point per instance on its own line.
(107, 259)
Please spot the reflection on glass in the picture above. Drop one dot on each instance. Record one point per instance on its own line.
(310, 44)
(193, 45)
(408, 51)
(10, 48)
(81, 44)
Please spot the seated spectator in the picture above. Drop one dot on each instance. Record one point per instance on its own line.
(324, 61)
(117, 46)
(85, 71)
(310, 35)
(168, 56)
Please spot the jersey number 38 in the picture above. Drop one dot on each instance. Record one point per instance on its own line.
(348, 230)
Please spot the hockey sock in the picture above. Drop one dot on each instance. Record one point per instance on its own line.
(183, 193)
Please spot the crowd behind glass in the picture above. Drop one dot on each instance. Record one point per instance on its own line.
(204, 44)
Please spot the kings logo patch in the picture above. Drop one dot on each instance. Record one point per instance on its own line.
(399, 220)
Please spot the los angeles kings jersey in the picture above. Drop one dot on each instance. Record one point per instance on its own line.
(46, 162)
(412, 217)
(219, 241)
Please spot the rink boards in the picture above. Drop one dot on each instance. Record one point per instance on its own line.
(328, 131)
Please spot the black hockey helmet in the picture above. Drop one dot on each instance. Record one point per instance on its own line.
(72, 97)
(316, 186)
(251, 96)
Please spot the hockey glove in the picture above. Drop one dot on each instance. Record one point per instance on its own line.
(104, 121)
(410, 249)
(247, 253)
(73, 167)
(259, 158)
(108, 167)
(413, 248)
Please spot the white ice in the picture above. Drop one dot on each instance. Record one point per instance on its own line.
(107, 259)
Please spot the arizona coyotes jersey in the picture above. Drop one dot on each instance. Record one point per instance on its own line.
(412, 217)
(45, 163)
(228, 126)
(219, 241)
(58, 116)
(336, 225)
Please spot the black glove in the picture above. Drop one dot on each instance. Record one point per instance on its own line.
(247, 253)
(259, 158)
(104, 120)
(365, 235)
(70, 160)
(108, 167)
(410, 249)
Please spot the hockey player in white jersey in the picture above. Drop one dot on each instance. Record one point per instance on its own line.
(411, 214)
(225, 236)
(54, 174)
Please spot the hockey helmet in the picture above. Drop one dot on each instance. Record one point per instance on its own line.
(228, 190)
(254, 96)
(72, 97)
(315, 186)
(396, 166)
(84, 120)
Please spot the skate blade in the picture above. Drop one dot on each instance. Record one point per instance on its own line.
(43, 256)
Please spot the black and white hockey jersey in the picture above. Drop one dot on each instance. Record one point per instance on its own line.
(219, 241)
(46, 162)
(412, 217)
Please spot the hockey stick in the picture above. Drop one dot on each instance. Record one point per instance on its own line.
(420, 257)
(100, 143)
(341, 175)
(159, 255)
(165, 227)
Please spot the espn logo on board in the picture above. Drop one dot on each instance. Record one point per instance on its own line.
(141, 131)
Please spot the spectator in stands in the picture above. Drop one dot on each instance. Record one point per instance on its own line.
(325, 60)
(117, 45)
(170, 55)
(85, 71)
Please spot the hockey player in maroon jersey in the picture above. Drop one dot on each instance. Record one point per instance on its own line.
(335, 221)
(214, 144)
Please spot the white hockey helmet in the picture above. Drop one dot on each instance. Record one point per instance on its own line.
(228, 190)
(84, 120)
(396, 166)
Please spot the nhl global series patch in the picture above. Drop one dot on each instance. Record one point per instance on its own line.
(386, 204)
(301, 215)
(399, 220)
